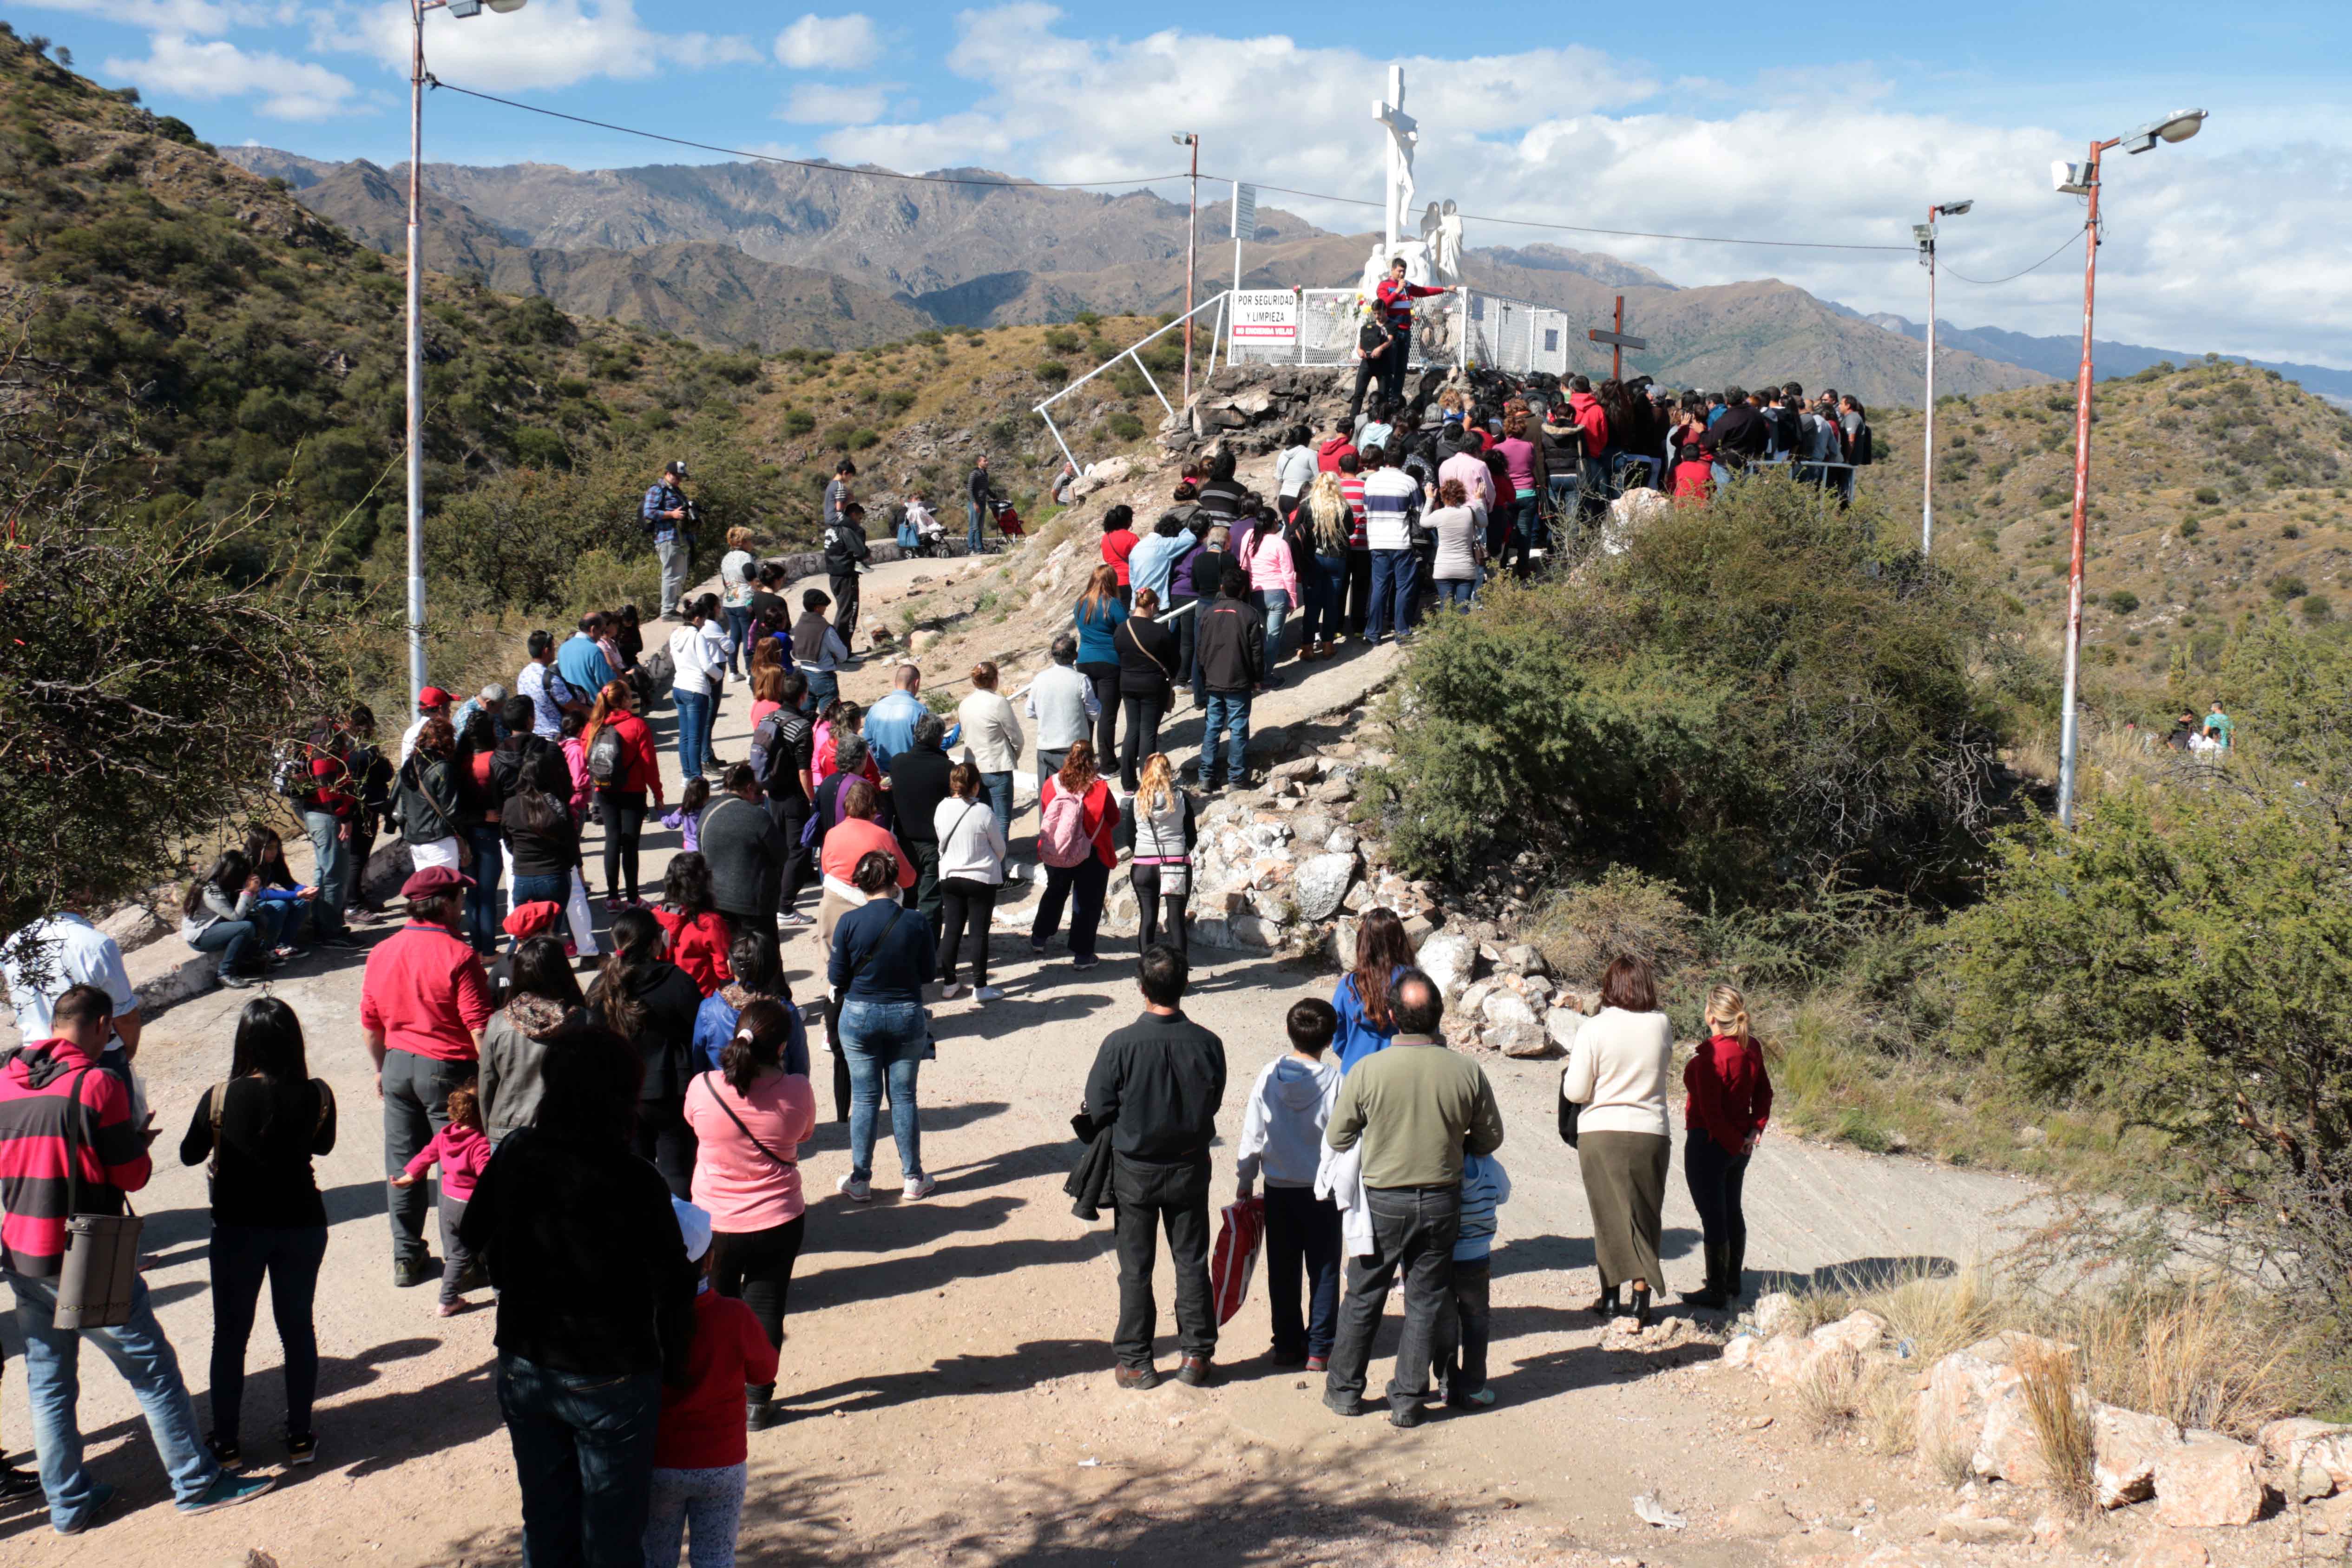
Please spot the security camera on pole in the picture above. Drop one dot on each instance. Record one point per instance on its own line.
(416, 80)
(2083, 180)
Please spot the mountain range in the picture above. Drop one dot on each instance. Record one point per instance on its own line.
(2110, 360)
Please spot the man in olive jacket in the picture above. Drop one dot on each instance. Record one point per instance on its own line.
(1417, 1107)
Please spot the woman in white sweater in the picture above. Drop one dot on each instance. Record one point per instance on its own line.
(992, 733)
(971, 868)
(1617, 1074)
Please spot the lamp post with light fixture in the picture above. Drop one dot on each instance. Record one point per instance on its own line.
(1192, 240)
(416, 9)
(2083, 180)
(1925, 235)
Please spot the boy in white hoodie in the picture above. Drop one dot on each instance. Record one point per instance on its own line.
(1282, 1136)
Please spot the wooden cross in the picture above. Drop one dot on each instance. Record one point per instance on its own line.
(1618, 342)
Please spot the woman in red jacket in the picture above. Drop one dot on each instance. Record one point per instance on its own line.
(1077, 818)
(1731, 1102)
(621, 795)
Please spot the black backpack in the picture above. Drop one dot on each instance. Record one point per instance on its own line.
(607, 758)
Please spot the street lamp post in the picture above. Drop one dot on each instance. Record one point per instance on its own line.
(416, 9)
(2083, 180)
(1192, 242)
(1926, 237)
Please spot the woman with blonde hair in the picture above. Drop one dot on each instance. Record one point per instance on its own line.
(1617, 1075)
(1159, 827)
(1099, 615)
(1077, 823)
(1731, 1102)
(1326, 520)
(735, 582)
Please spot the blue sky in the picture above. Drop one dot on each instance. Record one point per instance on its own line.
(1832, 124)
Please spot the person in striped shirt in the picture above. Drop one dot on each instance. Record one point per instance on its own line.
(1391, 504)
(1359, 557)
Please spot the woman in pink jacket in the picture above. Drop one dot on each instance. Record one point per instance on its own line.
(1274, 579)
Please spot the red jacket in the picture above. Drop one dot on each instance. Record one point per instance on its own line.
(1117, 546)
(701, 1422)
(1396, 302)
(1328, 455)
(699, 945)
(1098, 808)
(425, 989)
(33, 1186)
(1591, 420)
(1693, 477)
(640, 764)
(1730, 1092)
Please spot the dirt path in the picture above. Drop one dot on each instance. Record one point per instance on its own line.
(948, 1362)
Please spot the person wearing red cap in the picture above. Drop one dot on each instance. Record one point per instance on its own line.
(431, 702)
(424, 1004)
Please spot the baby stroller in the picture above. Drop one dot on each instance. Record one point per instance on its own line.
(1008, 521)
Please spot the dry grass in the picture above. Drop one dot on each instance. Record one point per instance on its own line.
(1829, 1396)
(2205, 1353)
(2062, 1421)
(1890, 1413)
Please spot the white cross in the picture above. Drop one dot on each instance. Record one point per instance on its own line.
(1403, 131)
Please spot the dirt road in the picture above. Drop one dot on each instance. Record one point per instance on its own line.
(947, 1361)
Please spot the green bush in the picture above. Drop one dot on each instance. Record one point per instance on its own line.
(1124, 427)
(1062, 340)
(1053, 373)
(2318, 607)
(2288, 587)
(2188, 529)
(2208, 496)
(2123, 602)
(1751, 693)
(1580, 929)
(799, 422)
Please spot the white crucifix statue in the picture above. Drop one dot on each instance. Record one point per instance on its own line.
(1403, 132)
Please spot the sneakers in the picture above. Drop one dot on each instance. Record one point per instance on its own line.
(237, 982)
(227, 1455)
(1138, 1377)
(1344, 1404)
(100, 1494)
(414, 1272)
(1196, 1372)
(1085, 963)
(302, 1450)
(857, 1188)
(1036, 948)
(952, 991)
(987, 994)
(1405, 1416)
(919, 1187)
(1478, 1401)
(795, 917)
(227, 1491)
(1318, 1364)
(14, 1483)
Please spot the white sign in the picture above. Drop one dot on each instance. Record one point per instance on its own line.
(1244, 213)
(1265, 316)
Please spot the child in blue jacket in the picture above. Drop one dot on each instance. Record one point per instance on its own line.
(1458, 1348)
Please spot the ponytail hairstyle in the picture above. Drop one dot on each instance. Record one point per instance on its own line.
(761, 1030)
(758, 967)
(1725, 1006)
(636, 943)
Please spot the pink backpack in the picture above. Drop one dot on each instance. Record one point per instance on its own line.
(1064, 839)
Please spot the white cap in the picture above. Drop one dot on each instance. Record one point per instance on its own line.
(695, 1226)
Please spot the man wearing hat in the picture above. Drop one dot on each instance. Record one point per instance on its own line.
(431, 702)
(666, 515)
(423, 1003)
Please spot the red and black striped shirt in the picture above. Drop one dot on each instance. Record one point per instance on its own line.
(35, 1086)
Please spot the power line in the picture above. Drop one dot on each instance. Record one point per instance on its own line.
(2021, 271)
(800, 163)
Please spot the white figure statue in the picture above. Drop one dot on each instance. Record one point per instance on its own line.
(1446, 251)
(1403, 133)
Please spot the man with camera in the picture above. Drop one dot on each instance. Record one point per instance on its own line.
(671, 516)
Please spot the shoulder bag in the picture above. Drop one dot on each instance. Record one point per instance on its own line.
(721, 1103)
(101, 1267)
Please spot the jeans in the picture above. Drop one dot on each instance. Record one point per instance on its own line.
(1227, 731)
(482, 898)
(1455, 591)
(1716, 1178)
(1367, 371)
(625, 824)
(665, 1140)
(232, 939)
(693, 731)
(1050, 763)
(1276, 602)
(964, 907)
(705, 1507)
(334, 870)
(1103, 678)
(415, 1106)
(1084, 885)
(1143, 716)
(880, 1039)
(1326, 582)
(675, 555)
(290, 1256)
(1458, 1352)
(1153, 905)
(53, 1387)
(998, 787)
(1413, 1230)
(552, 888)
(1151, 1198)
(1360, 589)
(825, 688)
(972, 540)
(1391, 609)
(583, 1449)
(739, 635)
(1302, 1234)
(755, 1267)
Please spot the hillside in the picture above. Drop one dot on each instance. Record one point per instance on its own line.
(1020, 254)
(2060, 356)
(2216, 489)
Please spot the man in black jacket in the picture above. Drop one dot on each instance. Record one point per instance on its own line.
(1741, 436)
(538, 837)
(980, 504)
(1231, 652)
(745, 850)
(918, 782)
(790, 740)
(845, 555)
(1155, 1087)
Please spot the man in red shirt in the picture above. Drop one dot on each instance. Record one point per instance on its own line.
(424, 1004)
(1396, 298)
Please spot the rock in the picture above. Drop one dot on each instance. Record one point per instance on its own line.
(1254, 931)
(1775, 1311)
(918, 641)
(1311, 828)
(1100, 476)
(1446, 958)
(1303, 767)
(1740, 1353)
(1788, 1360)
(1499, 1006)
(1520, 958)
(2207, 1482)
(1525, 1041)
(2169, 1551)
(2298, 1444)
(1342, 840)
(2333, 1517)
(1332, 791)
(2125, 1447)
(1341, 945)
(1856, 1331)
(1561, 1025)
(2306, 1483)
(1418, 928)
(1321, 884)
(1763, 1517)
(1212, 930)
(1974, 1407)
(1973, 1530)
(133, 926)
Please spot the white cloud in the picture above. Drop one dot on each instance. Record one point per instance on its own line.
(548, 44)
(829, 43)
(813, 104)
(216, 68)
(2231, 241)
(199, 17)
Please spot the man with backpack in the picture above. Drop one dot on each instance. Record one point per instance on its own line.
(845, 555)
(783, 756)
(671, 516)
(531, 782)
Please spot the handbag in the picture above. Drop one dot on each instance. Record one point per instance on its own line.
(1568, 1109)
(101, 1267)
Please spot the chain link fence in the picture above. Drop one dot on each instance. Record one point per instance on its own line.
(1466, 327)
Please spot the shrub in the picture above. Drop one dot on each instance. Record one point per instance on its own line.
(1125, 426)
(1580, 929)
(1062, 340)
(2318, 607)
(1749, 694)
(799, 422)
(2288, 587)
(2123, 602)
(2188, 529)
(2208, 496)
(1053, 373)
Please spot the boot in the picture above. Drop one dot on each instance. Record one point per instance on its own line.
(1733, 1281)
(1610, 1304)
(1642, 1313)
(1712, 1297)
(760, 1411)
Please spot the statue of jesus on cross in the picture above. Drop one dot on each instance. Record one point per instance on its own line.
(1403, 132)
